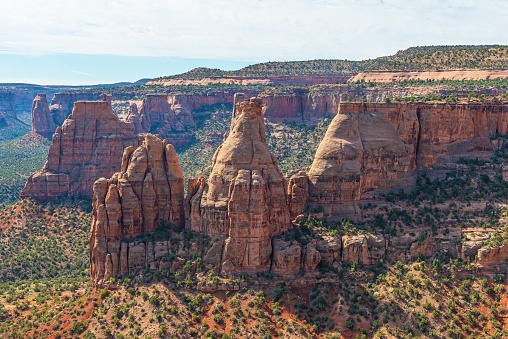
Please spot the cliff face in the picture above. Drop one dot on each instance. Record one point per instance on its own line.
(62, 104)
(146, 192)
(157, 112)
(300, 105)
(195, 101)
(89, 145)
(372, 146)
(8, 105)
(391, 76)
(244, 197)
(42, 121)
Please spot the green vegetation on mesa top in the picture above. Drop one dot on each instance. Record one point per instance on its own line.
(414, 58)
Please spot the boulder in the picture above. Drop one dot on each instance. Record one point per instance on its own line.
(287, 257)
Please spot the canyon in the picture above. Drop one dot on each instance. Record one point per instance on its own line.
(246, 205)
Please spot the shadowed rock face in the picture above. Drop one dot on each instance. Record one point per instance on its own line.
(373, 147)
(245, 195)
(89, 145)
(42, 121)
(146, 192)
(8, 105)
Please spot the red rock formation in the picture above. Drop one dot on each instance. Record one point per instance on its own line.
(106, 97)
(300, 105)
(89, 145)
(298, 193)
(372, 147)
(363, 249)
(42, 121)
(134, 118)
(194, 102)
(146, 192)
(436, 75)
(62, 104)
(244, 197)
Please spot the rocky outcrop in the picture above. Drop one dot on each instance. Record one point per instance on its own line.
(62, 104)
(158, 115)
(244, 197)
(8, 105)
(300, 105)
(493, 259)
(89, 145)
(197, 102)
(370, 148)
(436, 75)
(134, 118)
(298, 193)
(42, 121)
(363, 249)
(147, 192)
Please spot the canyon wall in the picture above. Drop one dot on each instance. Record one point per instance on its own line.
(146, 192)
(371, 147)
(8, 105)
(88, 145)
(62, 104)
(436, 75)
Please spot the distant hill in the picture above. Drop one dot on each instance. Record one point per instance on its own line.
(414, 58)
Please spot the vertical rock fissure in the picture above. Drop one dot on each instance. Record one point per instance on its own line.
(418, 137)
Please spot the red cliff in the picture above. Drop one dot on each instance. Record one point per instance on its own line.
(373, 147)
(42, 121)
(89, 145)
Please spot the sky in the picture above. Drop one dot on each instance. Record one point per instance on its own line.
(105, 41)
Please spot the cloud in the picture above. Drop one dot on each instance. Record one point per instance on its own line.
(82, 73)
(247, 30)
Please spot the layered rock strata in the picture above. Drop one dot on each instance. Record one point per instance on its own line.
(435, 75)
(157, 112)
(89, 145)
(244, 198)
(42, 121)
(373, 147)
(147, 192)
(62, 104)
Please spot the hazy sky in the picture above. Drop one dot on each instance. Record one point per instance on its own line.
(228, 33)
